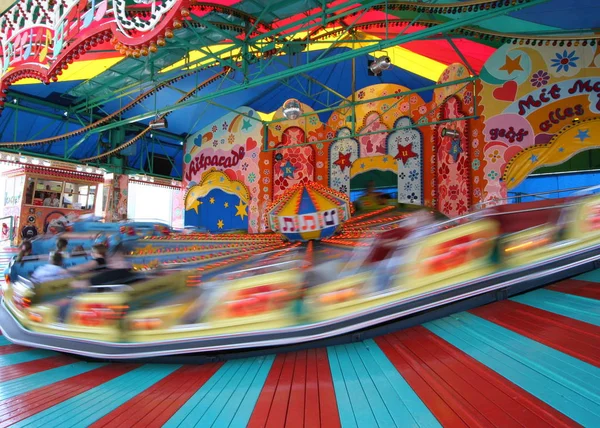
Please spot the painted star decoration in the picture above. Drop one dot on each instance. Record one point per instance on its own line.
(194, 205)
(583, 135)
(241, 210)
(288, 170)
(405, 153)
(455, 150)
(343, 161)
(246, 124)
(511, 65)
(226, 204)
(211, 200)
(220, 224)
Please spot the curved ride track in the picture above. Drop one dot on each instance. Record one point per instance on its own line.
(530, 360)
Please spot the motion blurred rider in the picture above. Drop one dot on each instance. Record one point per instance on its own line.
(52, 271)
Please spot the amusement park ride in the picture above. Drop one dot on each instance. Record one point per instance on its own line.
(191, 292)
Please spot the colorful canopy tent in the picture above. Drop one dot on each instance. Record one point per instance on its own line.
(309, 211)
(315, 63)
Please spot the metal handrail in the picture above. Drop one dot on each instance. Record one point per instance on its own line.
(529, 195)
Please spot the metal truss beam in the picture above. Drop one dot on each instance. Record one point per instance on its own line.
(381, 45)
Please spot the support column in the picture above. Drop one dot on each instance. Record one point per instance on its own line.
(117, 187)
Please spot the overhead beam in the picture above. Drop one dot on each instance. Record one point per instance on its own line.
(381, 45)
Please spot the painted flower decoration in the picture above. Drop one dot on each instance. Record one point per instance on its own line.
(539, 79)
(343, 188)
(214, 128)
(468, 98)
(361, 95)
(251, 177)
(225, 125)
(493, 175)
(422, 110)
(313, 120)
(408, 187)
(413, 175)
(476, 164)
(404, 107)
(564, 61)
(231, 139)
(413, 197)
(494, 156)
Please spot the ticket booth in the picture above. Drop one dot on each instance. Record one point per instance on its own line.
(46, 199)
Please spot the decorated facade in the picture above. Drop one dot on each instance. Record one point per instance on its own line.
(43, 199)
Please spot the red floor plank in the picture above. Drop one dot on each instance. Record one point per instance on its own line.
(458, 389)
(312, 413)
(295, 413)
(260, 415)
(25, 405)
(279, 407)
(576, 338)
(298, 392)
(32, 367)
(588, 289)
(156, 405)
(330, 417)
(11, 349)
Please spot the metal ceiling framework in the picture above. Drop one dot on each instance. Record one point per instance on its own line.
(240, 45)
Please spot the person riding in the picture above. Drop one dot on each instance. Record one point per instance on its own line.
(98, 260)
(25, 250)
(52, 271)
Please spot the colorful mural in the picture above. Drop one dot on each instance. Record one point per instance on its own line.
(528, 96)
(116, 198)
(231, 146)
(307, 150)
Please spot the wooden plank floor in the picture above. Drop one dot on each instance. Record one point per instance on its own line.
(529, 361)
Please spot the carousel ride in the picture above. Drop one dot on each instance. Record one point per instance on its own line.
(322, 273)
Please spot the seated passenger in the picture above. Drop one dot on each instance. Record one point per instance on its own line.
(52, 271)
(25, 250)
(98, 260)
(61, 246)
(118, 267)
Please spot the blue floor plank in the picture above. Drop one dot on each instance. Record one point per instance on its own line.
(88, 407)
(14, 387)
(523, 362)
(24, 357)
(576, 307)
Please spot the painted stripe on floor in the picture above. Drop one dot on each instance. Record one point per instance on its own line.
(593, 276)
(11, 349)
(553, 377)
(588, 289)
(576, 338)
(157, 404)
(297, 392)
(459, 390)
(579, 308)
(32, 367)
(23, 357)
(92, 405)
(4, 341)
(371, 392)
(25, 384)
(26, 405)
(208, 402)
